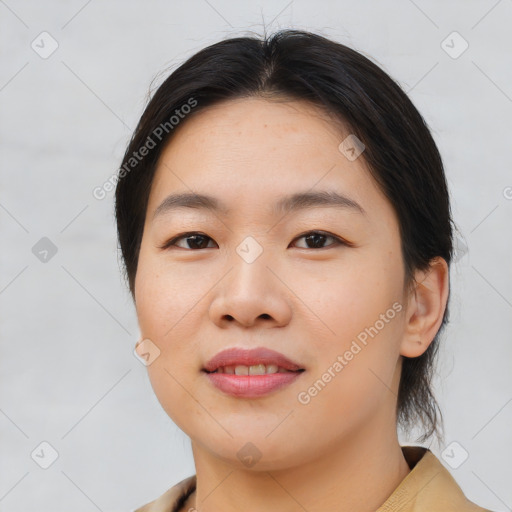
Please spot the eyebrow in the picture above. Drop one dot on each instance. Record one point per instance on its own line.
(286, 204)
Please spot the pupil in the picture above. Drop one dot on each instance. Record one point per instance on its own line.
(195, 238)
(315, 237)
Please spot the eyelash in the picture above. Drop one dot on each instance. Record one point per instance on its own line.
(338, 241)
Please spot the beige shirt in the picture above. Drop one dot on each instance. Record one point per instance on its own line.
(429, 487)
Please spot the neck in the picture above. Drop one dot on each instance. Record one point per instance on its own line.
(359, 473)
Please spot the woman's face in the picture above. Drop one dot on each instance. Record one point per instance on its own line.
(256, 277)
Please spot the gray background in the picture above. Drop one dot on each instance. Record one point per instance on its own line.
(67, 325)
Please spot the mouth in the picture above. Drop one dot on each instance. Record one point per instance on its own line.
(257, 369)
(251, 373)
(256, 361)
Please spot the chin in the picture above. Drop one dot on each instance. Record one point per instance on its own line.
(255, 452)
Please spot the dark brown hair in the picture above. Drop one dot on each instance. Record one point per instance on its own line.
(399, 152)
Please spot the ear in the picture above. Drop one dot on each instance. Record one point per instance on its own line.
(425, 308)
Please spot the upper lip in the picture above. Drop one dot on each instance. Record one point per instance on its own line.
(250, 357)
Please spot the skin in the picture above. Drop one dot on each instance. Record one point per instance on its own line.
(340, 451)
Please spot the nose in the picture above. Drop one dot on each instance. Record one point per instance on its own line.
(251, 294)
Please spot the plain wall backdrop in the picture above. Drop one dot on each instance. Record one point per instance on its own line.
(74, 79)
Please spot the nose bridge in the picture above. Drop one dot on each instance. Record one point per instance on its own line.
(250, 273)
(250, 250)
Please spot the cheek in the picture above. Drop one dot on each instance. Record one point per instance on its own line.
(173, 374)
(167, 316)
(348, 297)
(359, 322)
(163, 296)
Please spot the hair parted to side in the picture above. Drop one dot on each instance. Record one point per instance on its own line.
(399, 151)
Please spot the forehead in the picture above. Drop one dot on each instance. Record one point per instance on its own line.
(253, 151)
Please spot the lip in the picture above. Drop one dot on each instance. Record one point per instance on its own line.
(249, 357)
(251, 386)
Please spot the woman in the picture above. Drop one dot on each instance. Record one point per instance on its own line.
(285, 226)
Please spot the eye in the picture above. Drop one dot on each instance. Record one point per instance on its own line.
(196, 240)
(317, 238)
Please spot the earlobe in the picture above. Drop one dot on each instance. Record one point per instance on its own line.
(426, 306)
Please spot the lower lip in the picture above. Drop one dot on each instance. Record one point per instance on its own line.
(251, 386)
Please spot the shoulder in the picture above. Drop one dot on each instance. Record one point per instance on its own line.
(172, 499)
(429, 486)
